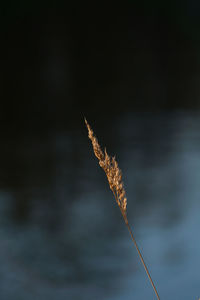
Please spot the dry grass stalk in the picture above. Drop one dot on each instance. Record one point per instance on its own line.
(113, 173)
(114, 176)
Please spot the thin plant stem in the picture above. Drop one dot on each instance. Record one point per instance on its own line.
(140, 255)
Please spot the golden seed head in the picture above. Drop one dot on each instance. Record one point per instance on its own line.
(110, 167)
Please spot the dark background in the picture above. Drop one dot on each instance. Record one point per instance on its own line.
(60, 61)
(133, 70)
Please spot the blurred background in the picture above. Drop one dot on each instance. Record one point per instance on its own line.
(133, 70)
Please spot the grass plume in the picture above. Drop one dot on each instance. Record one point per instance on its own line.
(114, 176)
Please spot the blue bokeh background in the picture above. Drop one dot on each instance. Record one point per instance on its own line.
(133, 71)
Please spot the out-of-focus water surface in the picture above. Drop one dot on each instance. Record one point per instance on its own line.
(61, 232)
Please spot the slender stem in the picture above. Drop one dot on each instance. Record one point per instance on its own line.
(137, 248)
(141, 258)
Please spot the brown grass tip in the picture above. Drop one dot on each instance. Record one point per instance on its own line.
(112, 170)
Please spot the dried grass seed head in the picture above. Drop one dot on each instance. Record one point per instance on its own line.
(111, 168)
